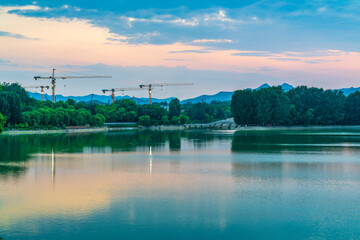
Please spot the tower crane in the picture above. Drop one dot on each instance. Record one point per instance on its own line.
(42, 90)
(149, 87)
(113, 90)
(53, 80)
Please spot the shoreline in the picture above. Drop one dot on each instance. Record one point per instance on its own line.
(294, 127)
(41, 131)
(161, 127)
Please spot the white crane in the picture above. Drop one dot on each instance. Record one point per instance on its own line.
(42, 90)
(149, 87)
(53, 80)
(113, 90)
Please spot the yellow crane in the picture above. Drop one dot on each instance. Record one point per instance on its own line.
(42, 90)
(113, 90)
(149, 87)
(53, 80)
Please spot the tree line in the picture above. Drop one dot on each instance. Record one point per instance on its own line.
(298, 106)
(18, 110)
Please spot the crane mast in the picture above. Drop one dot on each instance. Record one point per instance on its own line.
(151, 86)
(53, 80)
(113, 90)
(42, 90)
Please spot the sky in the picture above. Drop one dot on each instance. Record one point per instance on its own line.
(216, 45)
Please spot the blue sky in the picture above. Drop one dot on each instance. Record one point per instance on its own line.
(300, 42)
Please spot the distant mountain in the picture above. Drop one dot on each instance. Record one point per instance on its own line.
(286, 87)
(220, 96)
(263, 86)
(97, 98)
(348, 91)
(226, 96)
(87, 98)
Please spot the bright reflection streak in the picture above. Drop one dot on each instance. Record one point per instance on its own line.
(53, 166)
(150, 163)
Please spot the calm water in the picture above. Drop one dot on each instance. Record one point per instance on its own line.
(295, 184)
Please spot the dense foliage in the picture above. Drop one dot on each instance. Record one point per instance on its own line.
(267, 106)
(299, 106)
(207, 112)
(21, 111)
(2, 122)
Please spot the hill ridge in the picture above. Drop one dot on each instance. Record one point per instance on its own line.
(221, 96)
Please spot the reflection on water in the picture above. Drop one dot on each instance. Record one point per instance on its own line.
(276, 184)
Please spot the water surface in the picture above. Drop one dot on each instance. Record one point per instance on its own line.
(272, 184)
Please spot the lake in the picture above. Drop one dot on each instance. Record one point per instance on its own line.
(198, 184)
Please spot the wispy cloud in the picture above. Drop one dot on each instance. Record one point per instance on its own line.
(277, 38)
(253, 54)
(177, 59)
(2, 61)
(15, 35)
(286, 59)
(212, 41)
(191, 51)
(217, 17)
(317, 53)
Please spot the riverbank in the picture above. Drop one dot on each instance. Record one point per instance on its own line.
(163, 127)
(176, 128)
(296, 127)
(89, 130)
(40, 131)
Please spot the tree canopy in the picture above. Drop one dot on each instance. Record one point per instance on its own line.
(2, 122)
(21, 111)
(298, 106)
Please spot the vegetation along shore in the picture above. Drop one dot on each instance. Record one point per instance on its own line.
(301, 106)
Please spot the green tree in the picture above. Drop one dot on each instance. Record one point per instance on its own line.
(97, 120)
(165, 120)
(175, 120)
(155, 112)
(352, 109)
(16, 89)
(144, 121)
(128, 104)
(11, 107)
(327, 107)
(184, 119)
(243, 107)
(309, 116)
(2, 121)
(71, 102)
(174, 107)
(266, 106)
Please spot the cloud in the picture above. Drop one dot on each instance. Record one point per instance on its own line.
(205, 81)
(212, 41)
(176, 59)
(4, 61)
(166, 19)
(253, 54)
(266, 25)
(190, 51)
(170, 26)
(7, 63)
(317, 53)
(15, 35)
(279, 38)
(267, 69)
(286, 59)
(315, 61)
